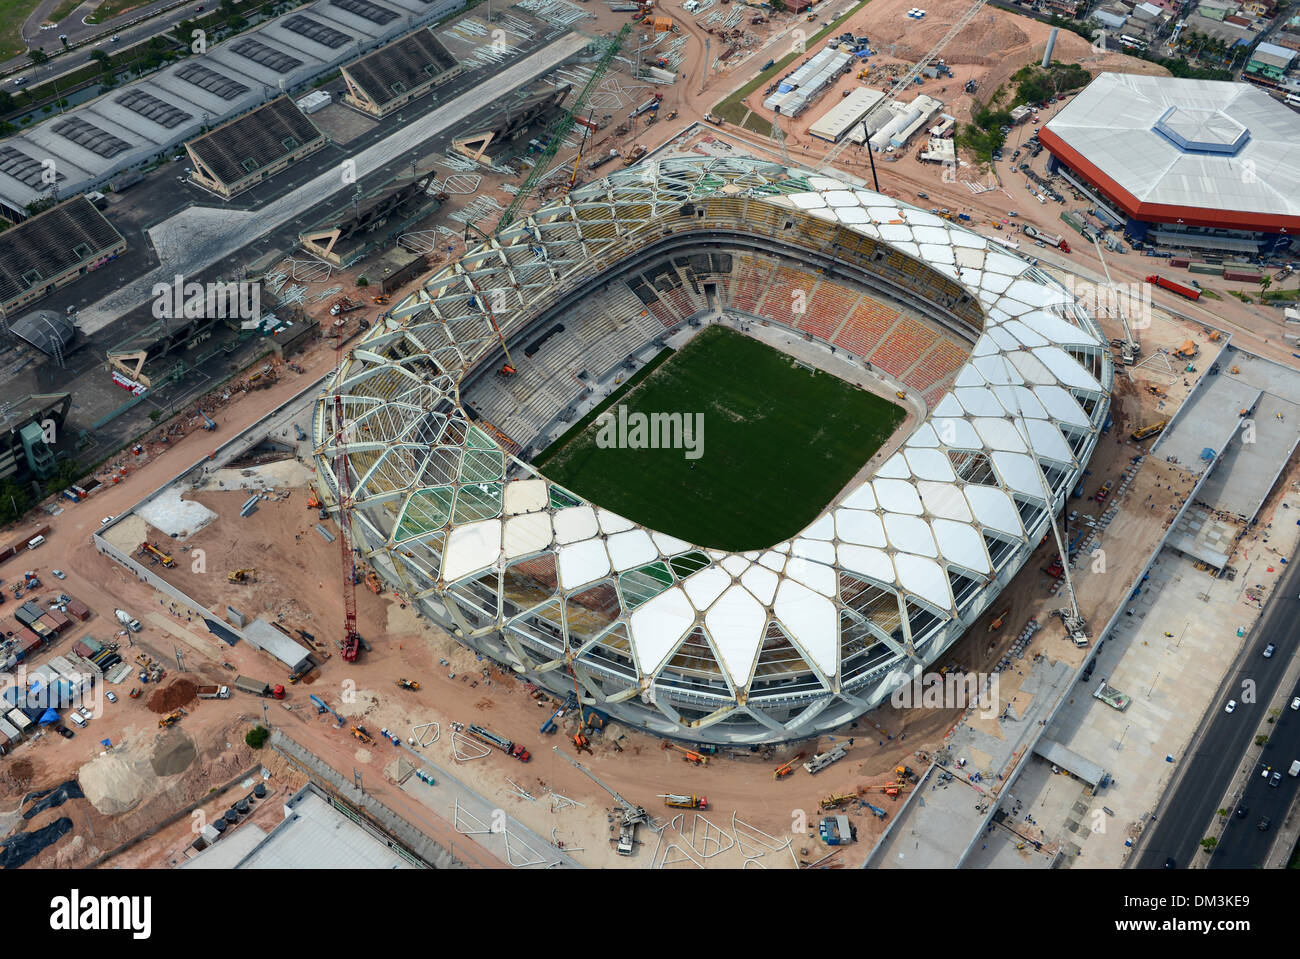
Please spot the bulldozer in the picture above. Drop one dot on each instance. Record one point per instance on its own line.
(410, 684)
(171, 718)
(374, 583)
(242, 575)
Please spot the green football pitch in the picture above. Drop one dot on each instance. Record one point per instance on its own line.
(779, 441)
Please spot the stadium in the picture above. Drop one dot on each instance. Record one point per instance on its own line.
(1007, 378)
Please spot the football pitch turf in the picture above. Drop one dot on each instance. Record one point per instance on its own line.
(779, 441)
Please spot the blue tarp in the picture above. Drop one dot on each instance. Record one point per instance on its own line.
(47, 717)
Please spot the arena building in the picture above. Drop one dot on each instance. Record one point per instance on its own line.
(1193, 165)
(425, 445)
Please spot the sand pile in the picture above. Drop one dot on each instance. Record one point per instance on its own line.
(116, 781)
(178, 693)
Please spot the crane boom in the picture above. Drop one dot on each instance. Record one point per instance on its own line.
(343, 474)
(560, 130)
(907, 79)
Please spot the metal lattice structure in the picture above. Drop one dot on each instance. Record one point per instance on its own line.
(760, 646)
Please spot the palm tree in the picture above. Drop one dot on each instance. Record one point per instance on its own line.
(1264, 284)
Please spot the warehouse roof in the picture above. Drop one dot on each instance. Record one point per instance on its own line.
(47, 330)
(316, 835)
(399, 67)
(255, 141)
(1166, 148)
(45, 246)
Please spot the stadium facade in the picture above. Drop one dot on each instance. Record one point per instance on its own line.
(675, 638)
(1195, 165)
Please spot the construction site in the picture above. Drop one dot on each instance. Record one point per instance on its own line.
(210, 530)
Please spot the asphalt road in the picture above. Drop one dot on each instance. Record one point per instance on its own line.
(1181, 827)
(163, 14)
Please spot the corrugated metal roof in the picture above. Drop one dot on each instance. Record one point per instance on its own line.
(1128, 127)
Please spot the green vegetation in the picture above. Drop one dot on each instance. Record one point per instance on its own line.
(779, 441)
(257, 737)
(733, 110)
(1241, 296)
(64, 8)
(1210, 294)
(112, 8)
(1034, 84)
(14, 501)
(13, 14)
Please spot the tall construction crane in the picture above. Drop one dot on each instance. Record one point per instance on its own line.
(343, 473)
(1076, 627)
(561, 130)
(1130, 349)
(910, 77)
(633, 816)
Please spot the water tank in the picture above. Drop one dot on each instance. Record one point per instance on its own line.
(259, 791)
(219, 825)
(241, 807)
(232, 817)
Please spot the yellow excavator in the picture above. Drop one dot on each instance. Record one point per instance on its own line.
(242, 575)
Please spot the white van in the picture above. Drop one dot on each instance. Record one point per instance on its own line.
(76, 720)
(1295, 768)
(35, 541)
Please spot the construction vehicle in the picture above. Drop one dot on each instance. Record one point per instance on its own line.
(1103, 491)
(1157, 391)
(893, 790)
(559, 130)
(689, 755)
(822, 760)
(324, 707)
(1188, 291)
(208, 423)
(359, 732)
(582, 744)
(570, 701)
(499, 742)
(351, 644)
(905, 773)
(650, 106)
(717, 121)
(1129, 348)
(1056, 569)
(901, 394)
(171, 718)
(1050, 239)
(1189, 350)
(998, 620)
(684, 802)
(242, 575)
(214, 692)
(345, 304)
(164, 558)
(1145, 432)
(382, 298)
(636, 153)
(374, 583)
(836, 802)
(410, 684)
(135, 692)
(256, 687)
(672, 115)
(876, 810)
(786, 769)
(837, 831)
(633, 816)
(127, 620)
(313, 499)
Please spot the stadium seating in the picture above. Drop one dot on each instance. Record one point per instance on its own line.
(866, 326)
(906, 341)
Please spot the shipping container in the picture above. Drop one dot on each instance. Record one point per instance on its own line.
(92, 644)
(78, 610)
(25, 616)
(1238, 276)
(28, 641)
(82, 650)
(8, 731)
(18, 718)
(51, 626)
(60, 619)
(1180, 261)
(1206, 269)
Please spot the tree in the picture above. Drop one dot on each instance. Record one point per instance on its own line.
(38, 57)
(14, 501)
(103, 59)
(257, 736)
(1208, 843)
(1264, 284)
(6, 101)
(778, 5)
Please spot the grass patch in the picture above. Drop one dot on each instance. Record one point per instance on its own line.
(1210, 294)
(112, 8)
(1241, 296)
(13, 14)
(64, 8)
(733, 110)
(779, 443)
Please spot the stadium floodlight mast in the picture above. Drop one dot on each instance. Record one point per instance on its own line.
(1075, 625)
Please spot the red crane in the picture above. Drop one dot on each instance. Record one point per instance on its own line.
(342, 472)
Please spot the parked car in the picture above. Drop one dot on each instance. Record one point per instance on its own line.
(84, 713)
(1268, 650)
(1275, 779)
(106, 520)
(64, 731)
(60, 574)
(77, 721)
(111, 696)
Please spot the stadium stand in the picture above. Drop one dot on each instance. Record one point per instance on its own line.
(240, 154)
(398, 73)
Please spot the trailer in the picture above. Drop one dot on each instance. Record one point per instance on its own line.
(214, 692)
(1190, 292)
(684, 802)
(255, 687)
(1112, 697)
(1050, 239)
(822, 760)
(490, 738)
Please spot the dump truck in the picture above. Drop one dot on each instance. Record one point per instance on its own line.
(256, 687)
(685, 802)
(717, 121)
(822, 760)
(214, 692)
(490, 738)
(127, 620)
(345, 304)
(1191, 292)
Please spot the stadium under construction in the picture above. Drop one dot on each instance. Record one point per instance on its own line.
(1009, 375)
